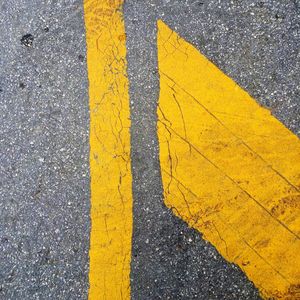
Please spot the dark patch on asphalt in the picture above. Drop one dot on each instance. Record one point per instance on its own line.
(27, 40)
(22, 85)
(81, 58)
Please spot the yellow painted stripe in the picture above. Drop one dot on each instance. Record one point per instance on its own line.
(111, 197)
(229, 168)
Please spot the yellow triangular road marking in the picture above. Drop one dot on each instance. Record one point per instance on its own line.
(230, 169)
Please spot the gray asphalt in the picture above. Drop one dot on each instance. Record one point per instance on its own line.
(44, 171)
(44, 148)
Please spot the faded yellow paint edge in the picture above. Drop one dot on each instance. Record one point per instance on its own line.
(110, 171)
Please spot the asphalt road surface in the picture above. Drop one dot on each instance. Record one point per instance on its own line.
(44, 162)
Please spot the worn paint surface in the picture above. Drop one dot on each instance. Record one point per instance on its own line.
(230, 169)
(111, 197)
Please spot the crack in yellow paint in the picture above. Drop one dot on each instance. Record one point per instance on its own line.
(111, 197)
(229, 168)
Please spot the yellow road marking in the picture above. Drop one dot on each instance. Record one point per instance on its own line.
(229, 168)
(111, 197)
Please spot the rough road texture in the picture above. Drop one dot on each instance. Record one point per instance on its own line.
(44, 172)
(170, 260)
(44, 208)
(247, 42)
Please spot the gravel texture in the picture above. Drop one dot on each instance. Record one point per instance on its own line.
(44, 149)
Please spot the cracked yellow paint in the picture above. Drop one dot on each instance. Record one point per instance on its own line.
(230, 169)
(111, 197)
